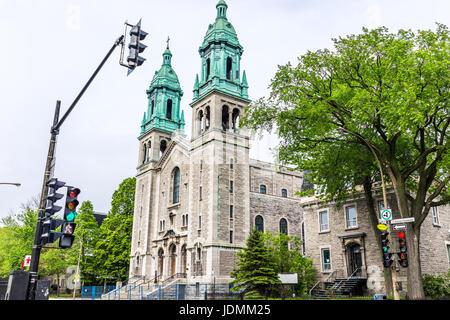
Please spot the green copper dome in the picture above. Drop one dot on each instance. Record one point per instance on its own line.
(221, 30)
(164, 95)
(166, 76)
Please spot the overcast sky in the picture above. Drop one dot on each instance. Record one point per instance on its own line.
(50, 48)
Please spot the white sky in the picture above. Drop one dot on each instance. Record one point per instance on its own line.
(50, 48)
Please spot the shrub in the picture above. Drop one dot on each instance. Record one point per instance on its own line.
(436, 286)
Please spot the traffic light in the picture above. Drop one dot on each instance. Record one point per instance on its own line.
(67, 236)
(49, 223)
(386, 249)
(136, 47)
(403, 257)
(49, 236)
(70, 212)
(53, 196)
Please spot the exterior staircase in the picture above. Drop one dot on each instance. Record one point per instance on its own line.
(338, 287)
(138, 289)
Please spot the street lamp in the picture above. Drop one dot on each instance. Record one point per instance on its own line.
(13, 183)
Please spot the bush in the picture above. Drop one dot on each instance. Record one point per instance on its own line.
(436, 286)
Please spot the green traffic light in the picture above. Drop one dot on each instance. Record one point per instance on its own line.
(71, 216)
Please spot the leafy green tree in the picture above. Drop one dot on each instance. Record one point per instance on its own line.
(86, 237)
(255, 269)
(286, 252)
(112, 250)
(53, 261)
(379, 97)
(16, 238)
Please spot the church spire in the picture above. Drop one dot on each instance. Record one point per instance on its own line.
(167, 55)
(221, 9)
(220, 55)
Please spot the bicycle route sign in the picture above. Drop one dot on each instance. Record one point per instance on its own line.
(386, 214)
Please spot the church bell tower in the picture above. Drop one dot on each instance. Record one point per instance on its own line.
(219, 199)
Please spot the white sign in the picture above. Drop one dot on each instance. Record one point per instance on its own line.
(386, 214)
(27, 261)
(288, 278)
(404, 220)
(399, 226)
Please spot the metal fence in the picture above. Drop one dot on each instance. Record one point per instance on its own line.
(195, 291)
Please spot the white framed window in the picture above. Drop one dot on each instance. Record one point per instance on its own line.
(351, 220)
(435, 214)
(323, 221)
(325, 256)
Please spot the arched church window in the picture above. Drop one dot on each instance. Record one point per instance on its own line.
(207, 118)
(176, 185)
(149, 150)
(169, 109)
(229, 68)
(283, 226)
(208, 68)
(235, 120)
(162, 147)
(144, 157)
(200, 121)
(153, 107)
(259, 223)
(225, 118)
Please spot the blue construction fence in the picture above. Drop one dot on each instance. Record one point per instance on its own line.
(95, 292)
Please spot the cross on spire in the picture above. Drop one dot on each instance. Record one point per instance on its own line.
(168, 38)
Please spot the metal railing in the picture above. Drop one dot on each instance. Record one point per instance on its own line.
(326, 280)
(348, 278)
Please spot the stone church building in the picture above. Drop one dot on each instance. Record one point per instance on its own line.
(197, 199)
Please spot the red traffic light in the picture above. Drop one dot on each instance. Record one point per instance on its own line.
(401, 235)
(74, 192)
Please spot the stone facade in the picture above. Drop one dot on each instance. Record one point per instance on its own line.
(354, 244)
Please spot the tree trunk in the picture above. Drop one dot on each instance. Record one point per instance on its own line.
(414, 272)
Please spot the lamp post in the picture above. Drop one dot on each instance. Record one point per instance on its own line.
(383, 187)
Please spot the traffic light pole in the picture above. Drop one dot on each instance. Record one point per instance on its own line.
(389, 230)
(36, 249)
